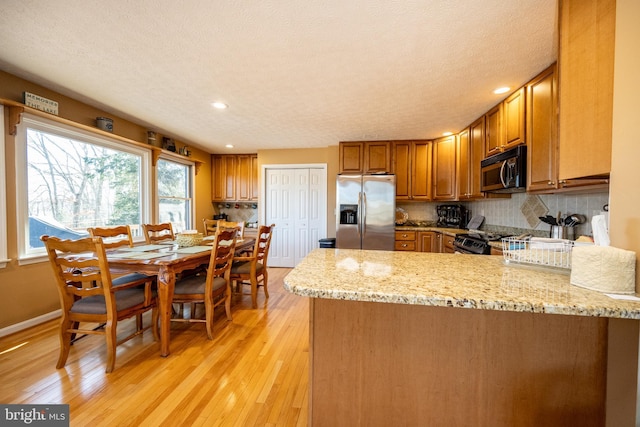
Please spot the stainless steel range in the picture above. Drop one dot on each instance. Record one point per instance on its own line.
(474, 243)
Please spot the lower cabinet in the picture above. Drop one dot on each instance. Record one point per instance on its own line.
(447, 244)
(405, 241)
(429, 241)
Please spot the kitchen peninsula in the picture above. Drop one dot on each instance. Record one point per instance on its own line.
(408, 338)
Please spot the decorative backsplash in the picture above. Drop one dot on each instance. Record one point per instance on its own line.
(521, 210)
(238, 212)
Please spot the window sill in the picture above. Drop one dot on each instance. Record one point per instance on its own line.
(32, 259)
(4, 262)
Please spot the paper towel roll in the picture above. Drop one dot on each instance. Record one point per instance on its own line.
(604, 268)
(600, 231)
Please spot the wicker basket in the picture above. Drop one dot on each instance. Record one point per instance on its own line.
(191, 239)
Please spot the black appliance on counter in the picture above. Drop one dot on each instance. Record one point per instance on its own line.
(452, 216)
(474, 243)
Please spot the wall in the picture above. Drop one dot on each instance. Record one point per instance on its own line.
(29, 291)
(306, 156)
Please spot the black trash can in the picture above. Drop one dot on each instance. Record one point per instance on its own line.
(329, 242)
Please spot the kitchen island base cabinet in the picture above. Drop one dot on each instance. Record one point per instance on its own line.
(379, 364)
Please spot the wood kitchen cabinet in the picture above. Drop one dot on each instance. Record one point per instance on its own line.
(235, 177)
(444, 168)
(542, 137)
(412, 167)
(365, 157)
(493, 125)
(505, 124)
(247, 177)
(429, 241)
(405, 241)
(470, 154)
(513, 114)
(585, 63)
(447, 244)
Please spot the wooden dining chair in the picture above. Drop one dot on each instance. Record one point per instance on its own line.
(212, 288)
(210, 226)
(252, 267)
(232, 224)
(154, 233)
(116, 237)
(88, 295)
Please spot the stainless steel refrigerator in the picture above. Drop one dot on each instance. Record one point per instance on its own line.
(366, 207)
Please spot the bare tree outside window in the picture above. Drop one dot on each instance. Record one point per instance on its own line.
(73, 185)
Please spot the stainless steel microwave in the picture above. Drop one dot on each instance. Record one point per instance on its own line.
(505, 172)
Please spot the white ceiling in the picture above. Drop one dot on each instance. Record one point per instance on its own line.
(295, 74)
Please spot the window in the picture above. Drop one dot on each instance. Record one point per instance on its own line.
(175, 194)
(3, 197)
(73, 180)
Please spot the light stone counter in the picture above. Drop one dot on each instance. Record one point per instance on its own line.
(447, 280)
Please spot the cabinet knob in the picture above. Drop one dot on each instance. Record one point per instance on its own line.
(405, 235)
(404, 245)
(562, 182)
(550, 183)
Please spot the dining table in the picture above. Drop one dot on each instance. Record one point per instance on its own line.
(165, 261)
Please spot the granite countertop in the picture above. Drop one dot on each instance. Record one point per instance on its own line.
(448, 280)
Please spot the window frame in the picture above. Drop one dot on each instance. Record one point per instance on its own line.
(30, 256)
(192, 184)
(4, 256)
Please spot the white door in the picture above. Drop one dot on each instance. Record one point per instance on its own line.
(296, 202)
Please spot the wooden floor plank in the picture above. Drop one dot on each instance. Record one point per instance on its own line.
(254, 371)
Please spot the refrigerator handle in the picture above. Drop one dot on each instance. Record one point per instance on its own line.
(363, 217)
(359, 219)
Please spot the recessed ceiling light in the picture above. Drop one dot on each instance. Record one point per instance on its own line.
(447, 133)
(219, 105)
(501, 90)
(229, 146)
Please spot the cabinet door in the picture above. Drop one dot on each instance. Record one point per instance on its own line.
(586, 65)
(429, 241)
(402, 152)
(476, 141)
(377, 157)
(243, 177)
(421, 164)
(541, 132)
(513, 109)
(444, 168)
(229, 166)
(218, 180)
(254, 186)
(351, 157)
(224, 170)
(493, 125)
(462, 167)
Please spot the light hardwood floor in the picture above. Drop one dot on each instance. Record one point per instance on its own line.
(253, 373)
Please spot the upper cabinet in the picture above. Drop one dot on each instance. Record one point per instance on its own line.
(542, 171)
(235, 177)
(365, 157)
(586, 59)
(513, 111)
(492, 132)
(412, 167)
(505, 124)
(470, 154)
(444, 168)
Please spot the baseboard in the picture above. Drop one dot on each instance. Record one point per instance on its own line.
(29, 323)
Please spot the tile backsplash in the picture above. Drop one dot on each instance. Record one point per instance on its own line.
(521, 209)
